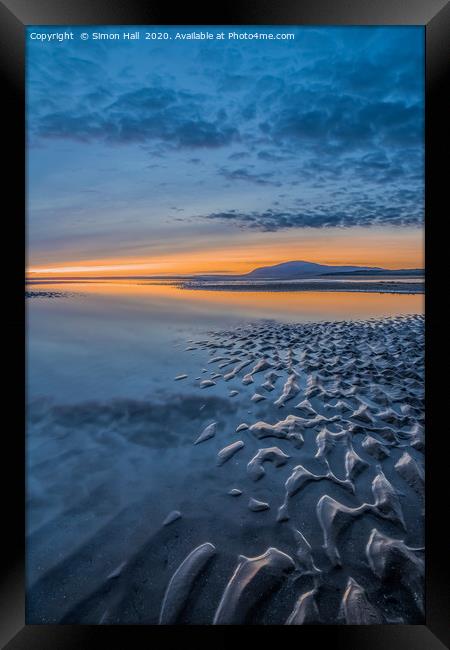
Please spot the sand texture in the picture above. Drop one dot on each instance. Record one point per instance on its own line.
(327, 475)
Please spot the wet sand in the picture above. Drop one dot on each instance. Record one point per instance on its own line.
(302, 506)
(386, 286)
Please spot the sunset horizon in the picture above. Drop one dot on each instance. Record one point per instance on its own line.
(401, 250)
(204, 158)
(225, 293)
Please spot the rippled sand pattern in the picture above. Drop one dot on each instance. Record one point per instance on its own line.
(328, 485)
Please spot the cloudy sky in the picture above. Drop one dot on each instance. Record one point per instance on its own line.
(185, 156)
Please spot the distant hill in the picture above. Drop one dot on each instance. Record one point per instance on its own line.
(301, 269)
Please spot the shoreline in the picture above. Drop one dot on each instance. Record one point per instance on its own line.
(326, 287)
(272, 286)
(297, 449)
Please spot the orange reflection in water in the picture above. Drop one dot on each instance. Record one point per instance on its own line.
(303, 305)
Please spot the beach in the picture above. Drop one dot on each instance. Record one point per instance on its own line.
(317, 284)
(211, 468)
(225, 292)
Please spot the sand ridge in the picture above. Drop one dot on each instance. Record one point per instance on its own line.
(302, 508)
(361, 384)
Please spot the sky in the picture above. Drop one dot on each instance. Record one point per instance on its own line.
(220, 156)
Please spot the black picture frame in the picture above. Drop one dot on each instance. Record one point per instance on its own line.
(15, 15)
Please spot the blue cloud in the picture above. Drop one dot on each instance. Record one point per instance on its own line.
(330, 125)
(363, 213)
(243, 174)
(142, 116)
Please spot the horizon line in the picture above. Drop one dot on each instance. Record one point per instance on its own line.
(168, 276)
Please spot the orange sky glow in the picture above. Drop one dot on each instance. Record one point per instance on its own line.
(388, 249)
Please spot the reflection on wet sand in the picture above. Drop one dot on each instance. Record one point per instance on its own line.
(189, 462)
(258, 304)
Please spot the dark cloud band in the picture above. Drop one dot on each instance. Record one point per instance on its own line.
(363, 215)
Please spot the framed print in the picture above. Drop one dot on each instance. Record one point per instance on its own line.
(226, 221)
